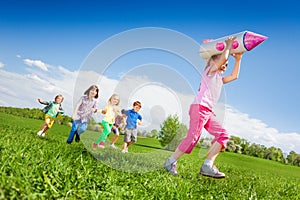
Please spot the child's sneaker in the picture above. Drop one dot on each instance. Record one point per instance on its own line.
(171, 167)
(123, 151)
(213, 172)
(40, 133)
(77, 138)
(113, 146)
(101, 145)
(95, 146)
(126, 150)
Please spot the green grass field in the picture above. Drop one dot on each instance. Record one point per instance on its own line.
(32, 167)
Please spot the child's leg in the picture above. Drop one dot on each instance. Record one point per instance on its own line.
(220, 140)
(81, 128)
(44, 127)
(74, 128)
(218, 143)
(127, 139)
(116, 137)
(198, 118)
(124, 146)
(105, 132)
(177, 154)
(208, 168)
(48, 124)
(129, 143)
(117, 134)
(213, 151)
(133, 137)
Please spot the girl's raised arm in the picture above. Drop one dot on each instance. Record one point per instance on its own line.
(236, 69)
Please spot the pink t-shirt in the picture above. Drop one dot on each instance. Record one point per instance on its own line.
(210, 89)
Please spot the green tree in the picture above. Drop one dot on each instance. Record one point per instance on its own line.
(273, 153)
(260, 150)
(238, 149)
(291, 157)
(245, 145)
(230, 146)
(280, 157)
(235, 139)
(171, 132)
(296, 161)
(269, 155)
(152, 134)
(251, 150)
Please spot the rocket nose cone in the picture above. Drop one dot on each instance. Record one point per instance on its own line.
(251, 40)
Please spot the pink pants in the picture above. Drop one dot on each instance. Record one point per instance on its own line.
(201, 116)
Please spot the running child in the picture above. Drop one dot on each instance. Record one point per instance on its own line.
(51, 110)
(110, 111)
(202, 116)
(83, 111)
(133, 118)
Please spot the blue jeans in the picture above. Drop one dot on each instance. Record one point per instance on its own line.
(77, 128)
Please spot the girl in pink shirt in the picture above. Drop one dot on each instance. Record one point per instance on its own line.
(201, 115)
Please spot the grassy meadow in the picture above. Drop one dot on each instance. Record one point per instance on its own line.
(33, 167)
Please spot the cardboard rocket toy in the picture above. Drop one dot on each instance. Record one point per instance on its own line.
(245, 41)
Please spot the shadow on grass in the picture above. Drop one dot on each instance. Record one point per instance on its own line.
(151, 147)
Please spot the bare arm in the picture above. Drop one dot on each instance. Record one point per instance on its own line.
(94, 108)
(42, 102)
(61, 110)
(236, 69)
(140, 122)
(75, 111)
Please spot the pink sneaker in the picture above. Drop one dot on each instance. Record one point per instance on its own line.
(211, 172)
(101, 145)
(171, 167)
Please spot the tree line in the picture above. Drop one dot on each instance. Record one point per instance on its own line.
(34, 113)
(242, 146)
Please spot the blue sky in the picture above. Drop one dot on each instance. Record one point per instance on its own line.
(63, 33)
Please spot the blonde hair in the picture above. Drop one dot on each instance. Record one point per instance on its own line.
(91, 88)
(112, 96)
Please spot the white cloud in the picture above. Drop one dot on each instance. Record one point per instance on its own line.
(158, 100)
(1, 65)
(22, 90)
(18, 56)
(256, 131)
(7, 91)
(36, 63)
